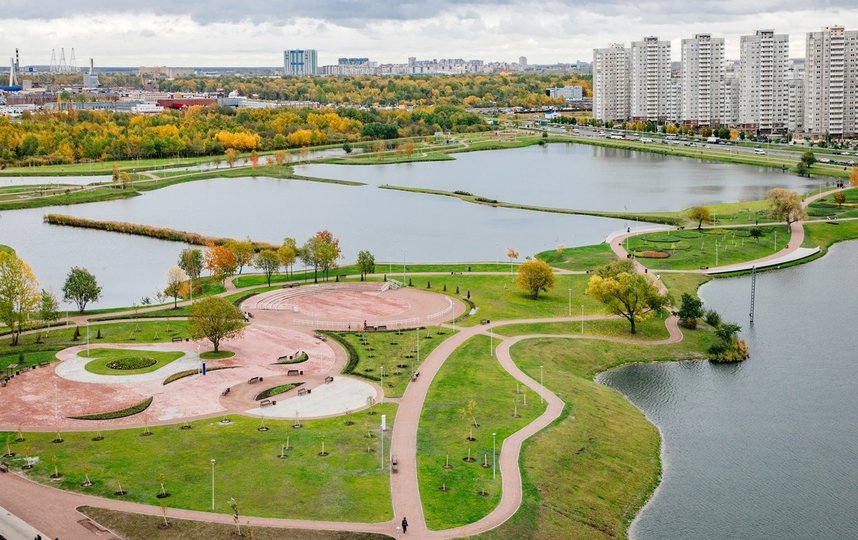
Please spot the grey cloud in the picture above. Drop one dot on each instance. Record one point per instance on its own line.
(357, 13)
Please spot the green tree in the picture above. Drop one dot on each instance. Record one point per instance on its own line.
(808, 158)
(230, 156)
(215, 319)
(19, 293)
(288, 253)
(690, 309)
(632, 296)
(366, 263)
(191, 261)
(534, 276)
(49, 307)
(801, 169)
(785, 205)
(243, 252)
(840, 198)
(81, 287)
(756, 233)
(268, 262)
(321, 252)
(700, 214)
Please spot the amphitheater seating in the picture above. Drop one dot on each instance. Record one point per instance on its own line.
(280, 300)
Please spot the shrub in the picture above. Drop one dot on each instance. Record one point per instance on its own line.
(689, 322)
(653, 255)
(712, 318)
(121, 413)
(127, 363)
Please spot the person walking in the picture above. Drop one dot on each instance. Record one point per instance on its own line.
(404, 525)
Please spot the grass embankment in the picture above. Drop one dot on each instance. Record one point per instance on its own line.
(40, 347)
(691, 249)
(121, 413)
(827, 234)
(650, 330)
(161, 233)
(126, 361)
(219, 355)
(679, 283)
(579, 258)
(140, 527)
(469, 374)
(498, 298)
(587, 475)
(476, 199)
(345, 485)
(275, 391)
(400, 353)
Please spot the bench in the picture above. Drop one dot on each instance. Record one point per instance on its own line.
(381, 327)
(394, 464)
(295, 372)
(320, 337)
(254, 380)
(288, 285)
(303, 391)
(177, 339)
(43, 364)
(329, 380)
(485, 321)
(265, 403)
(4, 468)
(225, 392)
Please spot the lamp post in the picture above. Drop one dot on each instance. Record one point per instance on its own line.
(570, 302)
(494, 456)
(541, 383)
(213, 465)
(582, 318)
(382, 384)
(404, 252)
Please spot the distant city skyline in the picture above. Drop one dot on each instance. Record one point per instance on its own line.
(249, 33)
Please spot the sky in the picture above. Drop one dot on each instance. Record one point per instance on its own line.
(255, 32)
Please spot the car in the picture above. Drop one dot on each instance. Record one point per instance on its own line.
(759, 151)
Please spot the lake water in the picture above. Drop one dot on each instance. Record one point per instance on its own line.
(766, 448)
(6, 181)
(393, 225)
(579, 176)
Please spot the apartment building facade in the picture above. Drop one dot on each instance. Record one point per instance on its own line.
(611, 80)
(763, 99)
(650, 79)
(703, 72)
(301, 62)
(831, 83)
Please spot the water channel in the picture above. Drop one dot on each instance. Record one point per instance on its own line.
(766, 448)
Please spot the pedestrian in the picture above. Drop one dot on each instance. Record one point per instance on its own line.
(404, 525)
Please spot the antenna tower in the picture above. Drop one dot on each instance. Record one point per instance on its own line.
(53, 60)
(72, 63)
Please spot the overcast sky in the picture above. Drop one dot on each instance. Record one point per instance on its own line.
(255, 32)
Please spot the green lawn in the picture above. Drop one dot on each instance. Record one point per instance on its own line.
(398, 354)
(346, 485)
(586, 476)
(691, 249)
(139, 527)
(220, 355)
(827, 207)
(103, 358)
(825, 235)
(579, 258)
(58, 339)
(469, 374)
(651, 329)
(498, 298)
(678, 283)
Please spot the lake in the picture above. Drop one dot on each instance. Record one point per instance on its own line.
(765, 448)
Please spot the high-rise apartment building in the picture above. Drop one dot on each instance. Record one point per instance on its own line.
(831, 83)
(611, 83)
(763, 100)
(650, 79)
(795, 96)
(703, 81)
(301, 62)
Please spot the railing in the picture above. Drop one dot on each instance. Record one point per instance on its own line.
(443, 312)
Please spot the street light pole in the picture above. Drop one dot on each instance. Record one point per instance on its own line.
(382, 384)
(213, 467)
(494, 456)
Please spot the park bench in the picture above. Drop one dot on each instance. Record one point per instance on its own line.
(176, 339)
(381, 327)
(4, 468)
(320, 337)
(485, 321)
(394, 464)
(266, 403)
(295, 372)
(43, 364)
(455, 273)
(254, 380)
(288, 285)
(225, 392)
(303, 391)
(329, 379)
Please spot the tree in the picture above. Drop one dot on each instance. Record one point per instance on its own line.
(215, 319)
(840, 198)
(691, 309)
(321, 252)
(785, 205)
(254, 160)
(231, 156)
(49, 307)
(220, 262)
(366, 263)
(756, 233)
(175, 277)
(512, 255)
(700, 214)
(534, 276)
(801, 169)
(81, 287)
(347, 147)
(19, 293)
(730, 348)
(853, 177)
(191, 261)
(630, 295)
(267, 262)
(243, 252)
(288, 252)
(808, 158)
